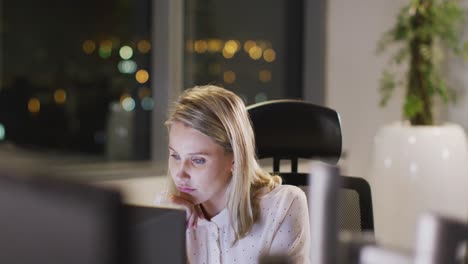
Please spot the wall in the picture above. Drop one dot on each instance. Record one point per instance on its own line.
(353, 71)
(458, 79)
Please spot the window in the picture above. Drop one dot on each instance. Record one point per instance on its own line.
(75, 77)
(253, 48)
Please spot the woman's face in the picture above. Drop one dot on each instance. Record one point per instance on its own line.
(200, 168)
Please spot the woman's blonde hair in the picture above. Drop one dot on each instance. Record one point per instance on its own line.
(221, 115)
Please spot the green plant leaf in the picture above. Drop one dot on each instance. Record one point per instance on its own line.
(413, 106)
(387, 85)
(401, 55)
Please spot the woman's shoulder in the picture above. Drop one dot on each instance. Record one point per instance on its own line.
(284, 191)
(283, 201)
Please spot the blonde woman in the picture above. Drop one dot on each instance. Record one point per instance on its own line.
(236, 212)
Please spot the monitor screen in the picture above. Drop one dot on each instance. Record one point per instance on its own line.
(158, 235)
(54, 222)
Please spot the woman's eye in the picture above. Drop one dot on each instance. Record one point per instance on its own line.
(175, 156)
(198, 161)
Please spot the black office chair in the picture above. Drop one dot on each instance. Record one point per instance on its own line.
(293, 130)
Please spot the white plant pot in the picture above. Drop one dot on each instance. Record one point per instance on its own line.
(416, 169)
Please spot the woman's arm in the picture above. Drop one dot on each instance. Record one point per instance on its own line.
(193, 212)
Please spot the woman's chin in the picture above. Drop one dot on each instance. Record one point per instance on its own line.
(189, 197)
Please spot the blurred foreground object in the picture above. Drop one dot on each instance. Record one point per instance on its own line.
(439, 239)
(55, 222)
(323, 208)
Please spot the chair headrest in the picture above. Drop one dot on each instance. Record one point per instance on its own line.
(293, 128)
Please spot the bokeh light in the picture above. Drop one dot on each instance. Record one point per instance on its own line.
(264, 75)
(147, 103)
(128, 104)
(34, 105)
(269, 55)
(142, 76)
(123, 96)
(126, 52)
(127, 66)
(255, 53)
(89, 46)
(144, 46)
(2, 132)
(200, 46)
(229, 77)
(231, 46)
(105, 49)
(215, 45)
(60, 96)
(227, 55)
(248, 45)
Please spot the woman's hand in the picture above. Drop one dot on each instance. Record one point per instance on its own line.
(192, 211)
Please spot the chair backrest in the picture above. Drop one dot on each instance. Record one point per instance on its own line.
(293, 130)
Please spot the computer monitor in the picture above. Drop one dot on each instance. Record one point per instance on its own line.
(157, 235)
(52, 221)
(55, 222)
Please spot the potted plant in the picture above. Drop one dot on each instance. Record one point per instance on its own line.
(418, 165)
(422, 30)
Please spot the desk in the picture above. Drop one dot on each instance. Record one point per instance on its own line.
(137, 191)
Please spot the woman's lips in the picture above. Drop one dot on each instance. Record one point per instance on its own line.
(185, 189)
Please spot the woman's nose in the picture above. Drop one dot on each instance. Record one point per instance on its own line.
(182, 172)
